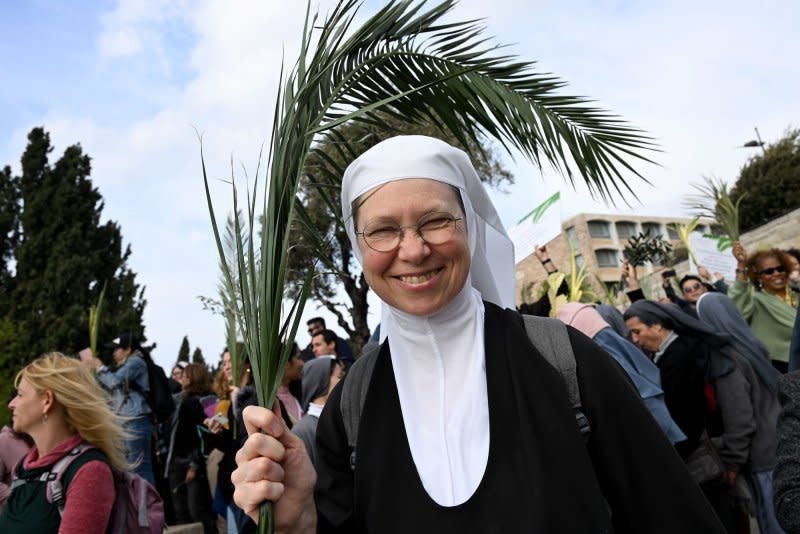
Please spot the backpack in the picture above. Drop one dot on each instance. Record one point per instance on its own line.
(138, 507)
(159, 397)
(548, 336)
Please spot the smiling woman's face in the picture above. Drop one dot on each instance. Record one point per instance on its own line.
(417, 277)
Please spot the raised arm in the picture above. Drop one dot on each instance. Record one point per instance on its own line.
(741, 292)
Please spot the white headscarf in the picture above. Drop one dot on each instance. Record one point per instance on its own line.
(439, 360)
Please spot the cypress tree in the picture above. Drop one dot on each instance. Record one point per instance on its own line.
(183, 352)
(64, 255)
(197, 356)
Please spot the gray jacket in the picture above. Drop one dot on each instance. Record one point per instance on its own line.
(749, 413)
(786, 478)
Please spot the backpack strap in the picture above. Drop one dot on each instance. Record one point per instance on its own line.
(354, 394)
(551, 339)
(548, 336)
(56, 492)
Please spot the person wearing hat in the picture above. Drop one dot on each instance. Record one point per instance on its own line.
(128, 386)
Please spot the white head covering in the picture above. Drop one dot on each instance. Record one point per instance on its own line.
(439, 360)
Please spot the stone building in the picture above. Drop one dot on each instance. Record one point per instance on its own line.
(598, 241)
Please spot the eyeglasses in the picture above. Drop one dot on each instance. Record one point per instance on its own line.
(691, 288)
(773, 270)
(434, 229)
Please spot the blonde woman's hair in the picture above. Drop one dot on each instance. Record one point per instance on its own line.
(86, 405)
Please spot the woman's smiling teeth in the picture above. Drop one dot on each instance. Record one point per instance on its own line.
(418, 278)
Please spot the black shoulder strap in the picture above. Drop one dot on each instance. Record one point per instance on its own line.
(548, 336)
(551, 339)
(354, 390)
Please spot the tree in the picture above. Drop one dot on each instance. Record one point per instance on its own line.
(197, 356)
(183, 352)
(9, 233)
(55, 257)
(769, 183)
(320, 194)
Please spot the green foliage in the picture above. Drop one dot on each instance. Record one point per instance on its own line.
(644, 248)
(95, 313)
(713, 200)
(50, 232)
(768, 185)
(183, 352)
(407, 62)
(197, 356)
(684, 231)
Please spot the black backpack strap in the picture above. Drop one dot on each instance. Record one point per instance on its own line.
(548, 336)
(354, 393)
(551, 339)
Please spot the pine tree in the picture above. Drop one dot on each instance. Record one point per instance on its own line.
(183, 352)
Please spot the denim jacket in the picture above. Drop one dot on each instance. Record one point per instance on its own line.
(128, 386)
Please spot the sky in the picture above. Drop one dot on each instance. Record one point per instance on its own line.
(135, 81)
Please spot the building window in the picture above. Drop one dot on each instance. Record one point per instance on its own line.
(572, 235)
(653, 229)
(626, 229)
(606, 258)
(578, 261)
(672, 233)
(599, 229)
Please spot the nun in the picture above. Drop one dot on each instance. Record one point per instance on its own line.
(639, 368)
(720, 313)
(465, 427)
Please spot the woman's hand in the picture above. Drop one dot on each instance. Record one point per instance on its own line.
(629, 275)
(739, 253)
(704, 274)
(191, 473)
(273, 465)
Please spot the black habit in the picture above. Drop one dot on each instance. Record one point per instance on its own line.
(541, 475)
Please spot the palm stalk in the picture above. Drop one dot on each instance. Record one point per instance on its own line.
(408, 62)
(684, 231)
(95, 313)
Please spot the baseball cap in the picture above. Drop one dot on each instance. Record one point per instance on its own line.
(124, 340)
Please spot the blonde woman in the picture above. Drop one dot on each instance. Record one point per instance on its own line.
(60, 405)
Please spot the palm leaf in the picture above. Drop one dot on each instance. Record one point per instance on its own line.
(538, 212)
(684, 231)
(95, 313)
(406, 61)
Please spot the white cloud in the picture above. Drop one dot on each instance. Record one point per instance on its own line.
(698, 77)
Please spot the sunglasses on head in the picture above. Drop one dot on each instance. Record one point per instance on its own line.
(773, 270)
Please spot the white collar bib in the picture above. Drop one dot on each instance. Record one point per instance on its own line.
(440, 370)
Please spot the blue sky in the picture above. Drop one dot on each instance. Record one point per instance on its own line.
(131, 79)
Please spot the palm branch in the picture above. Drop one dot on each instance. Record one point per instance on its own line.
(684, 231)
(407, 61)
(713, 200)
(95, 313)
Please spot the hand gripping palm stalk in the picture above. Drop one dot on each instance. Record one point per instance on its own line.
(407, 61)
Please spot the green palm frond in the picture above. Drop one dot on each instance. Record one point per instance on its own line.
(713, 200)
(95, 313)
(408, 62)
(684, 231)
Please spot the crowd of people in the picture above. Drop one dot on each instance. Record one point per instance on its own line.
(678, 414)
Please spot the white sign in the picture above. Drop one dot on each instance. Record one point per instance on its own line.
(710, 257)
